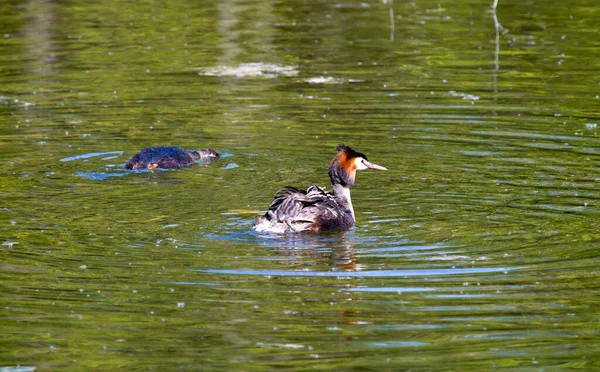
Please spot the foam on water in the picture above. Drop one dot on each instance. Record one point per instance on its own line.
(255, 69)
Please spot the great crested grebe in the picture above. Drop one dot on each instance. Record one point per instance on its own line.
(315, 209)
(167, 157)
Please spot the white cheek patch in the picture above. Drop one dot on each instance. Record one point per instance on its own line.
(359, 164)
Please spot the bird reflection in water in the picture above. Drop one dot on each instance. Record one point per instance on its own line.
(333, 248)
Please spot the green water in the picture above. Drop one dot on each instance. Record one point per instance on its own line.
(477, 249)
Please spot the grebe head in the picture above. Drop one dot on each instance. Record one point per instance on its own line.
(205, 153)
(342, 169)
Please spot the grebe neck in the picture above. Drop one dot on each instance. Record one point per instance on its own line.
(342, 197)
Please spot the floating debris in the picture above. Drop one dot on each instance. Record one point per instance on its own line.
(331, 80)
(324, 80)
(8, 101)
(465, 96)
(250, 70)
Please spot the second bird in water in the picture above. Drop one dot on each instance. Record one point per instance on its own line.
(166, 157)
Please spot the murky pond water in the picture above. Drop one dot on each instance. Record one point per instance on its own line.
(478, 248)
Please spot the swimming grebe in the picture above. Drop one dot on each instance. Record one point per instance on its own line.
(167, 157)
(315, 209)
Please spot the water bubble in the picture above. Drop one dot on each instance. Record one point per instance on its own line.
(9, 244)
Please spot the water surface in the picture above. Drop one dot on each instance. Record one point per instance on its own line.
(477, 249)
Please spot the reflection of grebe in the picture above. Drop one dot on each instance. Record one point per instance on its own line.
(167, 157)
(333, 248)
(295, 210)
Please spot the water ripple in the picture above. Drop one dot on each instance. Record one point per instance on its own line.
(90, 155)
(99, 176)
(362, 274)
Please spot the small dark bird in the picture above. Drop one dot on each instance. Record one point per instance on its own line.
(295, 210)
(167, 157)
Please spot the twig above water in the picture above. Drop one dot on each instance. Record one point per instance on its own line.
(391, 12)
